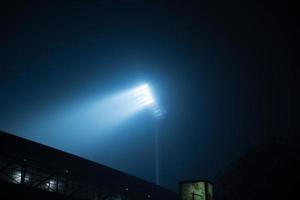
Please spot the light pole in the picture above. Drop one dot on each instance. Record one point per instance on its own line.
(157, 115)
(156, 154)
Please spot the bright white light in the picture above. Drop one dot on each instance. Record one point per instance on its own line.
(17, 176)
(144, 96)
(51, 185)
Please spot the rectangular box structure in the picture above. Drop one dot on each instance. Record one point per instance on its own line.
(196, 190)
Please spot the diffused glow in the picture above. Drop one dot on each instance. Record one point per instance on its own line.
(92, 119)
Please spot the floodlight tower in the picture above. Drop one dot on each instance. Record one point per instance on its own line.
(145, 98)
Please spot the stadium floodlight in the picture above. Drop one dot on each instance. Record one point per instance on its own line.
(143, 96)
(145, 99)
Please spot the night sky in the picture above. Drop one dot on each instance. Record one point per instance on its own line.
(221, 71)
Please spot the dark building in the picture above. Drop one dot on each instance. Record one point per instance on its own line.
(29, 170)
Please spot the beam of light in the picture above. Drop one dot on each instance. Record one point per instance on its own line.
(79, 125)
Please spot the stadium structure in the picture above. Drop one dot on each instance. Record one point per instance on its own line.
(29, 170)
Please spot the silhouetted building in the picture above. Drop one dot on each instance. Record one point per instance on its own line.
(29, 170)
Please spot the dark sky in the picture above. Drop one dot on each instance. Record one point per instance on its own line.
(221, 71)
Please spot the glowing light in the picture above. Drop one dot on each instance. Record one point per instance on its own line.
(51, 185)
(143, 96)
(17, 177)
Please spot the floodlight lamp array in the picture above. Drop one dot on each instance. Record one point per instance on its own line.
(144, 96)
